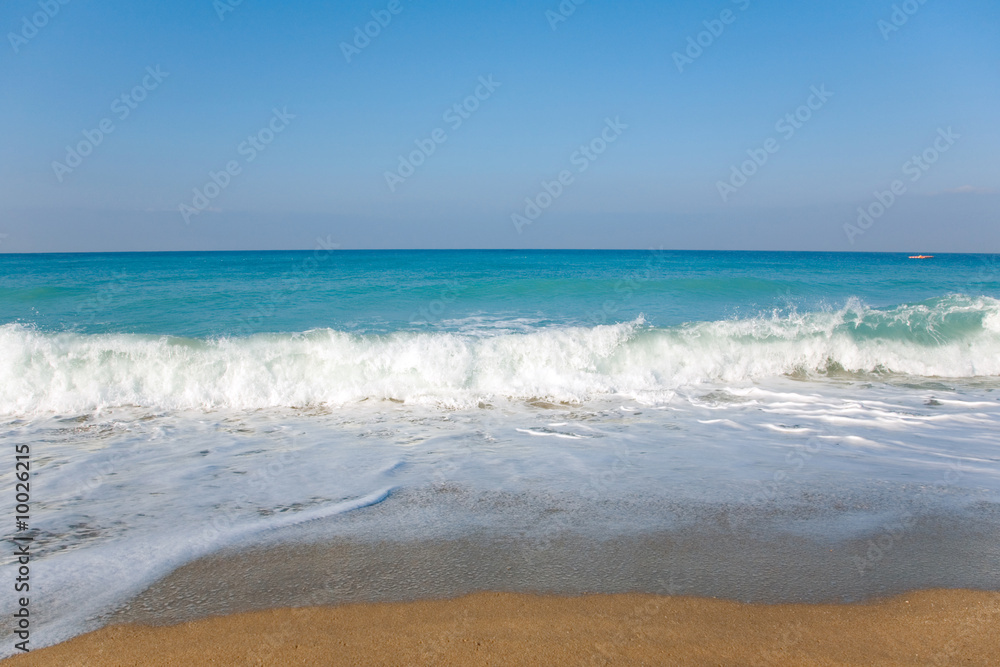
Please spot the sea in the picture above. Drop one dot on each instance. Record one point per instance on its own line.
(782, 426)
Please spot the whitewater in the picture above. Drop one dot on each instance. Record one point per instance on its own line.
(955, 337)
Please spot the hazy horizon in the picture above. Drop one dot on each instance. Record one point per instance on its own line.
(320, 247)
(731, 125)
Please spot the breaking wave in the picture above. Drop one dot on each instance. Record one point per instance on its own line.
(949, 337)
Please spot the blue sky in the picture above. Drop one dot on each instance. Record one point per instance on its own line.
(889, 95)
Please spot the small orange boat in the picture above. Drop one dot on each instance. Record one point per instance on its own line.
(921, 256)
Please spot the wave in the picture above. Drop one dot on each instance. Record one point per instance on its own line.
(40, 372)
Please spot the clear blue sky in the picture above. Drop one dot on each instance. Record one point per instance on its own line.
(657, 184)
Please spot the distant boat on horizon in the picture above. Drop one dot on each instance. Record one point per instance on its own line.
(921, 256)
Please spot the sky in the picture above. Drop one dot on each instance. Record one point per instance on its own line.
(857, 125)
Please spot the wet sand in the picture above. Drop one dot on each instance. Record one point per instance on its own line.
(934, 627)
(759, 563)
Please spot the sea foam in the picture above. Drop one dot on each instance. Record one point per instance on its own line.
(45, 372)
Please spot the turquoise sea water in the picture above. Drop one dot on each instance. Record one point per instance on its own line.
(180, 403)
(239, 293)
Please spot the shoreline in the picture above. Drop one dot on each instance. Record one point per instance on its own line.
(935, 627)
(749, 559)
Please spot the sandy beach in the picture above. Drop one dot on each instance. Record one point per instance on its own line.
(936, 627)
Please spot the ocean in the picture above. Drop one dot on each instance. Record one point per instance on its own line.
(782, 426)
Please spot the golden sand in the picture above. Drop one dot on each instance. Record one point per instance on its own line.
(938, 627)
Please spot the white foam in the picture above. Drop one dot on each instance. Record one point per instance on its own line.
(72, 373)
(125, 497)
